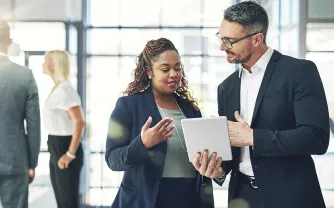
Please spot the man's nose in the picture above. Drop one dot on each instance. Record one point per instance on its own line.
(223, 47)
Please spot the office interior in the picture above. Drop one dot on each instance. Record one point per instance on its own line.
(105, 36)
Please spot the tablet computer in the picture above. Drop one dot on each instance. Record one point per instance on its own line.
(207, 134)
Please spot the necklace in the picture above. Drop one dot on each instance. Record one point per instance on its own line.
(177, 132)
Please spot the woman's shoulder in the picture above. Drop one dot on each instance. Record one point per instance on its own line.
(66, 87)
(131, 98)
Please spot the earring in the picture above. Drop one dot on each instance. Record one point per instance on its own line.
(150, 77)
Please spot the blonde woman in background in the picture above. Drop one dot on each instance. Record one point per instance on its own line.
(64, 122)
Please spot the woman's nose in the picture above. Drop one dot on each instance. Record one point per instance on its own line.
(173, 73)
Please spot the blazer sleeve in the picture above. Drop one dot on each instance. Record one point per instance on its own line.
(33, 121)
(311, 135)
(123, 153)
(226, 165)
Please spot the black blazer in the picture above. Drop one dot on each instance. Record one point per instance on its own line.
(142, 168)
(291, 123)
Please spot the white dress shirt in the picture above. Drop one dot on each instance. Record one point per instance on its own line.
(56, 119)
(249, 89)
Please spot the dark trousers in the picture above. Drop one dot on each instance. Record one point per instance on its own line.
(14, 191)
(178, 193)
(246, 195)
(65, 182)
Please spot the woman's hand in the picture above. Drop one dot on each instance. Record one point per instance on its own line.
(209, 168)
(158, 133)
(64, 161)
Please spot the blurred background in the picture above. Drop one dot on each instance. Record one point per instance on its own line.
(104, 37)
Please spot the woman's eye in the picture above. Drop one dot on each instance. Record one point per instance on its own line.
(165, 70)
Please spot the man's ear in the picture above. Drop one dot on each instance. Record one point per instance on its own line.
(259, 38)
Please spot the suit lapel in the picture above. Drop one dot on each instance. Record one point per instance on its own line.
(233, 97)
(150, 104)
(185, 107)
(265, 82)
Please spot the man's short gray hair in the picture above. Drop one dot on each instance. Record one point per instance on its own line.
(251, 15)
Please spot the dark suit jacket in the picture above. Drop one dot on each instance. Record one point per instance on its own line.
(142, 168)
(291, 123)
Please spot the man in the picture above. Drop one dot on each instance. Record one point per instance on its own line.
(283, 119)
(19, 147)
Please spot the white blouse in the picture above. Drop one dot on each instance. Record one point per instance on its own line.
(56, 119)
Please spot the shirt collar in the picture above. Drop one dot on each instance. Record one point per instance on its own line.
(262, 63)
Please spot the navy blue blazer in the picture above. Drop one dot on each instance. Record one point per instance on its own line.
(142, 167)
(291, 123)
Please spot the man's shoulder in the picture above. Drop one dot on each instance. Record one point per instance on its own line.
(230, 79)
(16, 73)
(18, 69)
(288, 63)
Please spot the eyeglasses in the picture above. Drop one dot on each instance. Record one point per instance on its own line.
(229, 43)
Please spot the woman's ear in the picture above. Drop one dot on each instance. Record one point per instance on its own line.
(149, 72)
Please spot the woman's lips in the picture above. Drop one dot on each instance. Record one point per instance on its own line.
(171, 84)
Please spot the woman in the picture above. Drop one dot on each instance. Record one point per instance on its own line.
(64, 123)
(145, 138)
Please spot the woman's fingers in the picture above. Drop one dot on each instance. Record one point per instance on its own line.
(218, 171)
(163, 128)
(204, 162)
(168, 130)
(147, 124)
(168, 136)
(161, 123)
(211, 165)
(196, 161)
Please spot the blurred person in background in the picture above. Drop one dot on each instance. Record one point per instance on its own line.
(145, 138)
(64, 122)
(283, 118)
(19, 146)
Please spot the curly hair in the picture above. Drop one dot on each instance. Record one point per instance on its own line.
(146, 58)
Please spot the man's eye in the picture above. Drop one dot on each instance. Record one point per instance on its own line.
(227, 40)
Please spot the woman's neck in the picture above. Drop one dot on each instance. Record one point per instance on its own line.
(166, 101)
(55, 81)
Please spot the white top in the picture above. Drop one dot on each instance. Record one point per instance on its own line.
(56, 119)
(249, 89)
